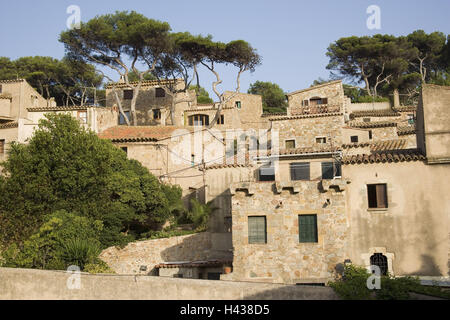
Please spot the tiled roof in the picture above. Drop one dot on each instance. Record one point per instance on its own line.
(406, 109)
(373, 124)
(374, 113)
(12, 80)
(59, 108)
(385, 156)
(378, 145)
(11, 124)
(138, 133)
(315, 115)
(5, 96)
(192, 264)
(206, 109)
(404, 130)
(264, 115)
(147, 83)
(314, 87)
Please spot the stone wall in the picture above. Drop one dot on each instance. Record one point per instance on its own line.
(369, 106)
(29, 284)
(283, 259)
(305, 130)
(152, 252)
(333, 91)
(382, 134)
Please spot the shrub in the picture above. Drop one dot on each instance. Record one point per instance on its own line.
(80, 252)
(200, 213)
(98, 267)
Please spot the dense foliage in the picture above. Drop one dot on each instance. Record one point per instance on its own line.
(66, 167)
(353, 286)
(273, 97)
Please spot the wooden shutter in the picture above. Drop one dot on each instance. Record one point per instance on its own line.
(257, 232)
(128, 94)
(381, 196)
(307, 228)
(2, 146)
(191, 120)
(324, 100)
(300, 171)
(327, 170)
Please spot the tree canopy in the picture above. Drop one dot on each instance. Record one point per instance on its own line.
(273, 97)
(69, 82)
(66, 167)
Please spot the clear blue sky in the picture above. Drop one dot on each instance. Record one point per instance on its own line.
(291, 36)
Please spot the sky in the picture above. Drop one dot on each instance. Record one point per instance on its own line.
(291, 36)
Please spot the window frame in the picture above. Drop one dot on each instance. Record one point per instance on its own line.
(377, 196)
(308, 236)
(126, 94)
(289, 140)
(269, 167)
(238, 104)
(256, 239)
(127, 113)
(293, 175)
(351, 139)
(319, 138)
(160, 92)
(221, 119)
(156, 112)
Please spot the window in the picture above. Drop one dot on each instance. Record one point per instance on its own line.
(307, 228)
(221, 119)
(127, 94)
(377, 195)
(160, 93)
(318, 101)
(125, 149)
(214, 275)
(331, 170)
(370, 134)
(290, 144)
(156, 114)
(2, 146)
(305, 103)
(198, 120)
(267, 173)
(82, 116)
(410, 118)
(122, 119)
(354, 139)
(192, 159)
(380, 260)
(237, 104)
(257, 232)
(321, 140)
(300, 171)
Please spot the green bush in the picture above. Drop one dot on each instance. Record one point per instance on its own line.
(200, 213)
(80, 252)
(353, 286)
(98, 267)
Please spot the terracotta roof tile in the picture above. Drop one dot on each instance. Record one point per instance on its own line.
(315, 115)
(138, 133)
(385, 156)
(12, 80)
(404, 130)
(378, 145)
(60, 108)
(7, 125)
(372, 124)
(192, 264)
(147, 83)
(406, 109)
(5, 96)
(374, 113)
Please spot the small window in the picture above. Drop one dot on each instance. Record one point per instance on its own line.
(221, 119)
(366, 119)
(321, 140)
(2, 146)
(198, 120)
(122, 119)
(410, 118)
(192, 159)
(238, 104)
(324, 100)
(82, 116)
(257, 229)
(380, 260)
(127, 94)
(125, 149)
(267, 173)
(290, 144)
(370, 134)
(377, 195)
(160, 93)
(156, 114)
(331, 170)
(305, 103)
(300, 171)
(307, 228)
(354, 139)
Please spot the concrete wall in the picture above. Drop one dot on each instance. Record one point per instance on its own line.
(414, 229)
(149, 253)
(26, 284)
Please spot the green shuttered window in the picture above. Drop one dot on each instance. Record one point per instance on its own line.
(257, 229)
(307, 228)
